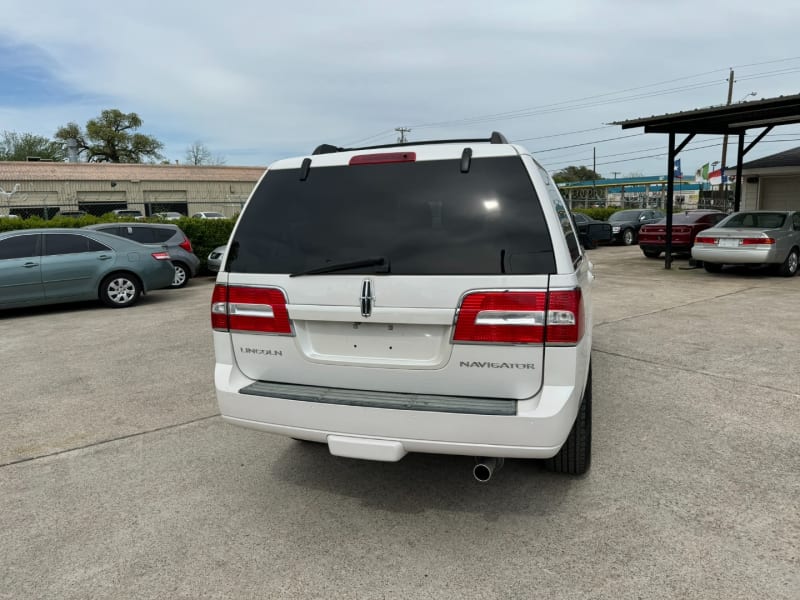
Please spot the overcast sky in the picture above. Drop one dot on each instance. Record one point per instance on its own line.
(258, 81)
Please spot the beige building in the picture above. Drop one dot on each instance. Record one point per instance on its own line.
(44, 188)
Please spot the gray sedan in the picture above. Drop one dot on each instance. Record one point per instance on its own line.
(48, 266)
(752, 238)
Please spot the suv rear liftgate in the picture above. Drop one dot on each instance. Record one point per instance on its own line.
(386, 301)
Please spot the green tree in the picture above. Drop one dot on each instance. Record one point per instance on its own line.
(21, 146)
(573, 173)
(112, 137)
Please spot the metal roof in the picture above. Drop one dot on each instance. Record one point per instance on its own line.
(730, 119)
(58, 171)
(788, 158)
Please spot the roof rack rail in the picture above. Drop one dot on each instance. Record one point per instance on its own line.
(495, 138)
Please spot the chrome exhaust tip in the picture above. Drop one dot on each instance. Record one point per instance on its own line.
(485, 467)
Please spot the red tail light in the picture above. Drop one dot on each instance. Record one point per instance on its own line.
(249, 309)
(383, 158)
(705, 240)
(186, 244)
(754, 241)
(520, 318)
(160, 255)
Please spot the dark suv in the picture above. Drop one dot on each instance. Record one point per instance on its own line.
(171, 236)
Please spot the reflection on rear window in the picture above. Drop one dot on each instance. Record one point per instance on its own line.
(756, 220)
(425, 218)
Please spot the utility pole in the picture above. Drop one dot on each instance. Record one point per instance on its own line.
(723, 184)
(403, 131)
(594, 173)
(615, 173)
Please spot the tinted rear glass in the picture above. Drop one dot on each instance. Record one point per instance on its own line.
(756, 220)
(69, 243)
(426, 218)
(19, 246)
(684, 219)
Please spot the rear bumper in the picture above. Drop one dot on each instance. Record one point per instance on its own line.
(163, 278)
(736, 256)
(537, 430)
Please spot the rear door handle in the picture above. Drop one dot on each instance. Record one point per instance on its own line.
(103, 257)
(28, 265)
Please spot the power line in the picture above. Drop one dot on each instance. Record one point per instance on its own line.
(578, 103)
(622, 137)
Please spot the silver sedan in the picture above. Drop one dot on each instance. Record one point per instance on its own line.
(214, 260)
(762, 237)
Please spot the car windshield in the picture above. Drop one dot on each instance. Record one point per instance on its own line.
(763, 220)
(624, 215)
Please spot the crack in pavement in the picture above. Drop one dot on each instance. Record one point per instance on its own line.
(695, 371)
(107, 441)
(661, 310)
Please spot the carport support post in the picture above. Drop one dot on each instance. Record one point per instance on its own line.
(739, 158)
(670, 191)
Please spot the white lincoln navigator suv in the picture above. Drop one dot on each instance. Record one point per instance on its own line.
(423, 297)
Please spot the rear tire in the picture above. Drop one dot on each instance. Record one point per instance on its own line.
(652, 253)
(789, 266)
(181, 276)
(712, 267)
(120, 290)
(575, 455)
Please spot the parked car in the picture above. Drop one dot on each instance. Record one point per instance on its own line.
(214, 261)
(208, 215)
(128, 213)
(170, 237)
(450, 313)
(48, 266)
(9, 216)
(685, 227)
(625, 224)
(168, 216)
(767, 237)
(592, 232)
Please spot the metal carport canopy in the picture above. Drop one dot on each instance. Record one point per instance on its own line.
(733, 119)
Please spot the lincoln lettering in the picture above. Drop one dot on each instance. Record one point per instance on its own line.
(261, 351)
(474, 364)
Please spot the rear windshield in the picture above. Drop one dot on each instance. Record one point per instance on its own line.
(756, 220)
(684, 219)
(423, 218)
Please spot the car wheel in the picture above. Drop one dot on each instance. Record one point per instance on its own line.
(627, 237)
(576, 453)
(120, 290)
(712, 267)
(789, 266)
(652, 253)
(181, 276)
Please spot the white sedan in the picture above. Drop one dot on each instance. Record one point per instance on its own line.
(752, 238)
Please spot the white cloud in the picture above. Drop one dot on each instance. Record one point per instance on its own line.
(256, 81)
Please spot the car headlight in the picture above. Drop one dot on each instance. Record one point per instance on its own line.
(615, 229)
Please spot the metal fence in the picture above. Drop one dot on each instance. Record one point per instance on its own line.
(226, 207)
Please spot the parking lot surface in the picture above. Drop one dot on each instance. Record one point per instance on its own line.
(119, 480)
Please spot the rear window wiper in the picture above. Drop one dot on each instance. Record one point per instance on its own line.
(376, 261)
